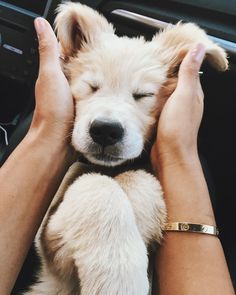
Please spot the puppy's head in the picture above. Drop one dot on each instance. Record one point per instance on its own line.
(120, 84)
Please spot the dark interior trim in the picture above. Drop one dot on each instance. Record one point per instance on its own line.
(229, 46)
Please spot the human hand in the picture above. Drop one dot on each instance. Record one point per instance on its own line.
(182, 114)
(54, 111)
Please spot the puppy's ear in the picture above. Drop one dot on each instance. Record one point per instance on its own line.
(78, 25)
(174, 42)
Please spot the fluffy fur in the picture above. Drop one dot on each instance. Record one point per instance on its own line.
(95, 236)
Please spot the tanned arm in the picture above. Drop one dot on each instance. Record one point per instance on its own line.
(188, 263)
(33, 172)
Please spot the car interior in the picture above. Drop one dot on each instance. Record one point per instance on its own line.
(217, 144)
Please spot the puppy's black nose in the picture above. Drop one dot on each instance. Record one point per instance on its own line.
(106, 132)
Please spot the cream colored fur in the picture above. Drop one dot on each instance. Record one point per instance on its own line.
(95, 236)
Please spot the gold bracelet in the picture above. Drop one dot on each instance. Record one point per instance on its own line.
(192, 227)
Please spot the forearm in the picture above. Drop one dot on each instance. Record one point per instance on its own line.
(190, 263)
(29, 179)
(185, 188)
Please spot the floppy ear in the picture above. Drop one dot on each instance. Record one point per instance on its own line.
(78, 25)
(174, 42)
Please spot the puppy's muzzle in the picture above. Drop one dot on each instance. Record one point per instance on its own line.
(105, 133)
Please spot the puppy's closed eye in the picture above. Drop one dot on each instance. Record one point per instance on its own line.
(140, 95)
(93, 87)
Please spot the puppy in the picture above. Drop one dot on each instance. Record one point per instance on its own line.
(97, 232)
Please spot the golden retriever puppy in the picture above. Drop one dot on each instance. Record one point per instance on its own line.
(95, 237)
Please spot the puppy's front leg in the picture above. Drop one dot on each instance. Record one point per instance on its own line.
(48, 285)
(146, 196)
(96, 230)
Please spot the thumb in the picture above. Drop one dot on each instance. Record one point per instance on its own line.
(190, 66)
(48, 45)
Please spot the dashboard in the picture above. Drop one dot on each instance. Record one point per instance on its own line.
(37, 7)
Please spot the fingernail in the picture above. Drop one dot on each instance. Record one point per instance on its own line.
(39, 25)
(198, 53)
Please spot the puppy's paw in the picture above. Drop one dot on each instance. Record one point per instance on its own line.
(146, 197)
(94, 231)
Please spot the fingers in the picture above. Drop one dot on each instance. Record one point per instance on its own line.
(190, 66)
(48, 46)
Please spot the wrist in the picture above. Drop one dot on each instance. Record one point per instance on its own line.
(163, 157)
(49, 132)
(51, 142)
(186, 193)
